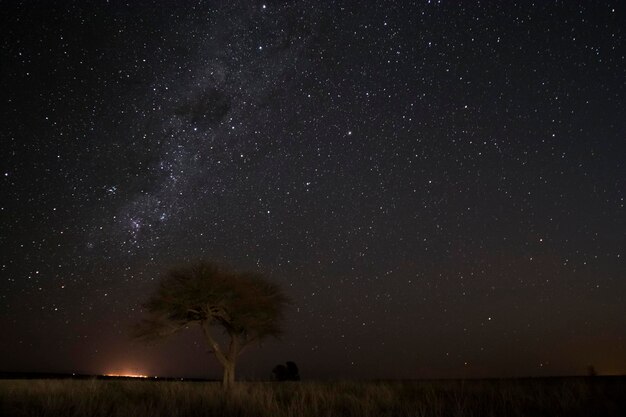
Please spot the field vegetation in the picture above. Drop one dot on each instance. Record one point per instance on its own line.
(598, 396)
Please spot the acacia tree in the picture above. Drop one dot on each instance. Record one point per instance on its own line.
(246, 306)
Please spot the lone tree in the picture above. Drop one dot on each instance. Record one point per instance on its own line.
(246, 307)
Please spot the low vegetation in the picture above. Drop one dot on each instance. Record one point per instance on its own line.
(524, 397)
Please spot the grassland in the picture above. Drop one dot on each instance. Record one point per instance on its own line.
(140, 398)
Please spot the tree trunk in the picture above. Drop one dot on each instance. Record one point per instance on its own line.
(227, 359)
(228, 380)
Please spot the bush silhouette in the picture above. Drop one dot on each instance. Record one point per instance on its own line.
(286, 373)
(279, 373)
(292, 371)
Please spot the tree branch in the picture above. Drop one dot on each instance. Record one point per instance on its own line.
(219, 354)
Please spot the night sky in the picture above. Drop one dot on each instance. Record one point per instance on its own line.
(439, 186)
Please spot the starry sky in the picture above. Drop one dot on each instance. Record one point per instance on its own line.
(439, 186)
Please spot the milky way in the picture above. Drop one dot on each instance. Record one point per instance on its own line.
(438, 186)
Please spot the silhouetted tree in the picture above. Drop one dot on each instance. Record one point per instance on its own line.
(246, 306)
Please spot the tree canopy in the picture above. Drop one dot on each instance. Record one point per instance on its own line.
(245, 305)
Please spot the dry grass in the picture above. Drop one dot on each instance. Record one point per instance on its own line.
(140, 398)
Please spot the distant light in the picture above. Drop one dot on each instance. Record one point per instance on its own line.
(127, 376)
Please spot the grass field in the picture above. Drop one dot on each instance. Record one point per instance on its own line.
(599, 396)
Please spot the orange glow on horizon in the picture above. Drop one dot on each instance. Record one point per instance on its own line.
(127, 375)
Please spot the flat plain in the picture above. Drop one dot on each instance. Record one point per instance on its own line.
(536, 397)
